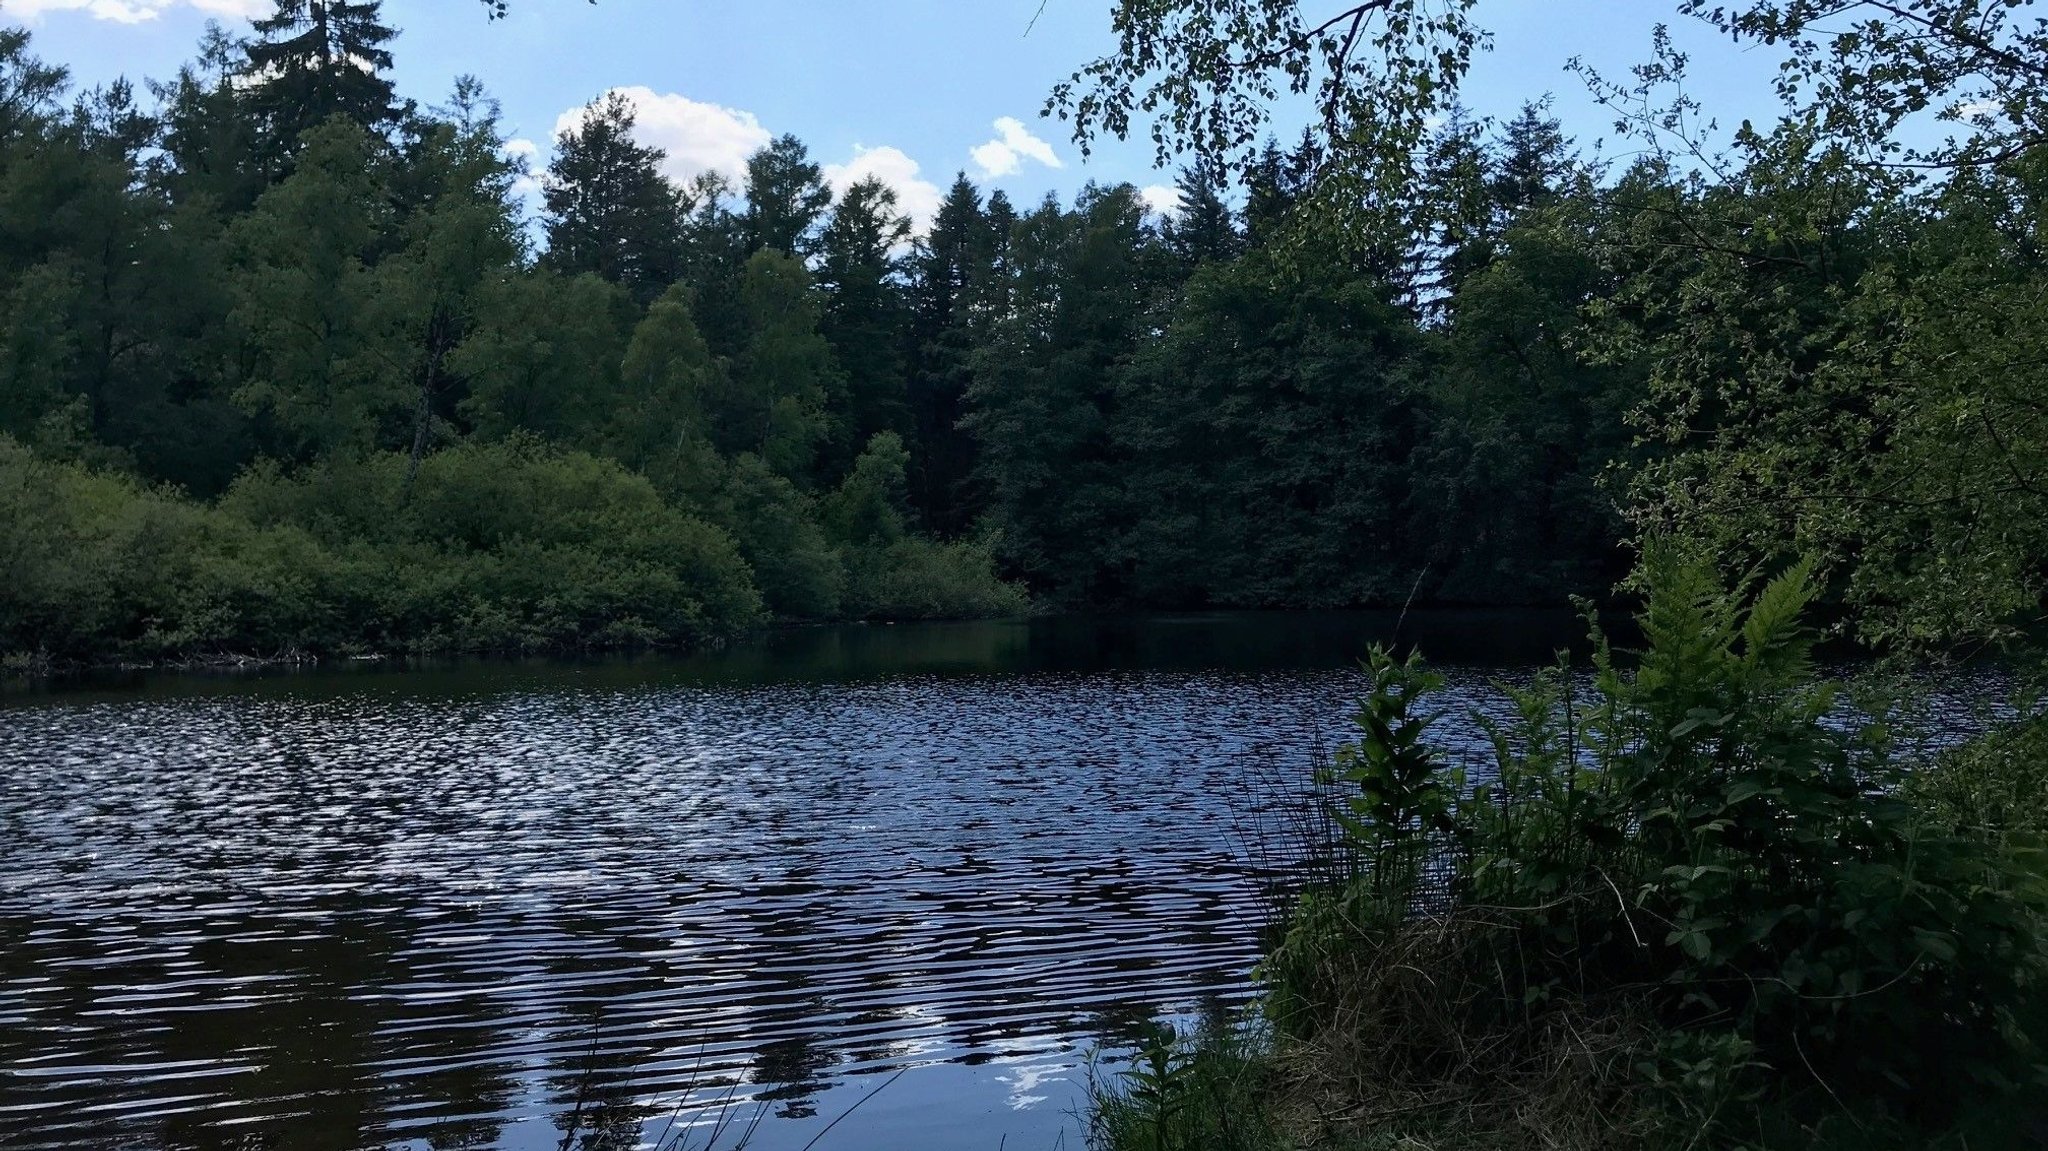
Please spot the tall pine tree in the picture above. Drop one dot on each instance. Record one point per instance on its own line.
(313, 60)
(865, 312)
(786, 199)
(610, 211)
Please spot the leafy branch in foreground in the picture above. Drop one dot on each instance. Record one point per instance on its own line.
(1861, 70)
(1212, 73)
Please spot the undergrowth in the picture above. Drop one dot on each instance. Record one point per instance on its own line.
(1688, 907)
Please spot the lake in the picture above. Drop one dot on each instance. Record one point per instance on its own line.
(624, 902)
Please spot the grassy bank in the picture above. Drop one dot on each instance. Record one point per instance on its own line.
(1689, 909)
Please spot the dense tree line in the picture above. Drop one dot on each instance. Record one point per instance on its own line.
(283, 367)
(1682, 904)
(1817, 330)
(263, 325)
(286, 367)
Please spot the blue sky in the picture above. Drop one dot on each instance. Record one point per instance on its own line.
(910, 90)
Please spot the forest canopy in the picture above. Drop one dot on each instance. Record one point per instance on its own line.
(269, 321)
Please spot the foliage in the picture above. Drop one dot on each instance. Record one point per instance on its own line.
(1397, 795)
(327, 370)
(1861, 71)
(1110, 406)
(1211, 72)
(1843, 368)
(313, 61)
(1703, 839)
(1820, 328)
(1199, 1092)
(1697, 904)
(293, 378)
(1992, 785)
(893, 574)
(511, 547)
(1122, 407)
(609, 209)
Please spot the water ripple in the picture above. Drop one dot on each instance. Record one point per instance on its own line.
(341, 919)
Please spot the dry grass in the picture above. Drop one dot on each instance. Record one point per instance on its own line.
(1416, 1035)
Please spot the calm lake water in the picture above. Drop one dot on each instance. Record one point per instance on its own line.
(505, 905)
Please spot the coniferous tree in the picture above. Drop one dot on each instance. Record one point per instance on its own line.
(1269, 432)
(714, 248)
(329, 363)
(1534, 161)
(609, 209)
(945, 267)
(1275, 182)
(1043, 397)
(458, 233)
(313, 60)
(786, 199)
(333, 334)
(1519, 427)
(212, 146)
(775, 403)
(1455, 223)
(1204, 229)
(865, 314)
(29, 87)
(109, 291)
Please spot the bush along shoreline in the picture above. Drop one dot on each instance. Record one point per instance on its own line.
(501, 548)
(1690, 908)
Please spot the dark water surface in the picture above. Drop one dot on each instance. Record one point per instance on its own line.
(491, 905)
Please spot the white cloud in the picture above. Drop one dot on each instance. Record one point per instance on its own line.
(1013, 144)
(1163, 199)
(527, 185)
(698, 137)
(919, 198)
(136, 11)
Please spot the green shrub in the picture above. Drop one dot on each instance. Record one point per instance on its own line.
(94, 563)
(1698, 908)
(514, 546)
(510, 546)
(1994, 785)
(917, 578)
(794, 565)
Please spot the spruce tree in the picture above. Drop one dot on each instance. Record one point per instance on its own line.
(864, 313)
(1205, 228)
(944, 268)
(786, 199)
(313, 60)
(1534, 160)
(212, 146)
(714, 247)
(610, 210)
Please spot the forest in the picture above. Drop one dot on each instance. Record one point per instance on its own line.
(1701, 889)
(287, 369)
